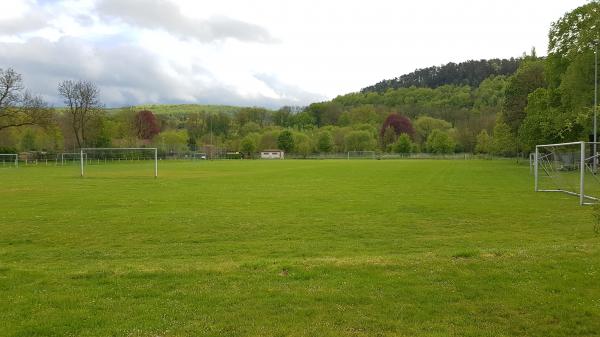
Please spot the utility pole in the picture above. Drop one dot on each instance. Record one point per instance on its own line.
(595, 159)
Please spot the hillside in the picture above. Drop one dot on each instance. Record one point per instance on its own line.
(470, 73)
(170, 109)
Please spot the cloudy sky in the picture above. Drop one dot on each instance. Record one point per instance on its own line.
(261, 52)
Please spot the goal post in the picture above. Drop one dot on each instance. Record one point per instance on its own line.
(568, 168)
(9, 156)
(84, 151)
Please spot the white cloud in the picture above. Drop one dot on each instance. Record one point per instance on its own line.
(262, 52)
(166, 15)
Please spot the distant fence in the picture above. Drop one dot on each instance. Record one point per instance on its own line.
(53, 159)
(386, 156)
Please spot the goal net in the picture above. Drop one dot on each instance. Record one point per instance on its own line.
(119, 160)
(67, 158)
(570, 168)
(361, 154)
(9, 159)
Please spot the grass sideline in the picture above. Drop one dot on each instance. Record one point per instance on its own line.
(294, 248)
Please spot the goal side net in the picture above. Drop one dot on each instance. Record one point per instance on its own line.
(570, 168)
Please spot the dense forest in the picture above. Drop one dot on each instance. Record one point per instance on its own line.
(503, 107)
(470, 73)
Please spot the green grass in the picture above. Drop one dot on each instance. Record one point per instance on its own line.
(294, 248)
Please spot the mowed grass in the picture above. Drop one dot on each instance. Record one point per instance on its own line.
(294, 248)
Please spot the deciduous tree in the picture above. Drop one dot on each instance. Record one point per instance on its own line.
(146, 125)
(82, 99)
(285, 141)
(17, 106)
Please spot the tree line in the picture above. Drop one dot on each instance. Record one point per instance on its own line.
(470, 73)
(504, 107)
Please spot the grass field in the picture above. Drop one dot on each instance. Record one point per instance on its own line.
(294, 248)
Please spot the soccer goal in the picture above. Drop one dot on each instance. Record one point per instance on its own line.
(10, 159)
(570, 168)
(67, 157)
(112, 155)
(361, 154)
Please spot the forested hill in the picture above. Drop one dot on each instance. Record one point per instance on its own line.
(470, 73)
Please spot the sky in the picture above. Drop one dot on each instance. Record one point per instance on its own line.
(267, 53)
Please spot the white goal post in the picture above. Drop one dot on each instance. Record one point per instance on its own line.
(570, 168)
(83, 154)
(361, 155)
(16, 161)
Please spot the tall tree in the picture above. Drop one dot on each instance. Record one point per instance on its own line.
(83, 104)
(484, 142)
(325, 142)
(285, 141)
(576, 32)
(503, 142)
(529, 77)
(359, 141)
(398, 123)
(146, 125)
(439, 142)
(17, 106)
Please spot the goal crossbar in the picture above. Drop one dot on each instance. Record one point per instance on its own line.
(84, 151)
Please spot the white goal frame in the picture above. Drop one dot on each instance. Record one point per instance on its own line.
(582, 167)
(62, 157)
(11, 155)
(365, 152)
(84, 151)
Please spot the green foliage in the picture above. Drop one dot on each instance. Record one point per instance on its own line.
(172, 141)
(489, 96)
(28, 141)
(325, 113)
(439, 142)
(302, 120)
(268, 140)
(249, 144)
(285, 141)
(577, 83)
(258, 116)
(249, 127)
(403, 144)
(183, 109)
(388, 138)
(361, 114)
(529, 77)
(302, 144)
(359, 141)
(484, 142)
(325, 142)
(424, 126)
(576, 31)
(503, 141)
(471, 72)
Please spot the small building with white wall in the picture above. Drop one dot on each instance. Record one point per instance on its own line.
(271, 154)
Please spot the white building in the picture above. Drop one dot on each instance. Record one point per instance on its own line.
(272, 154)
